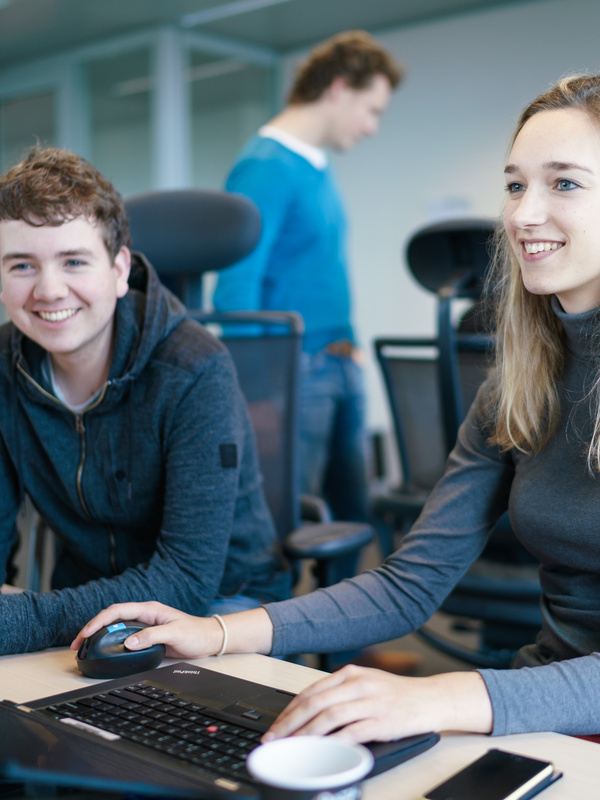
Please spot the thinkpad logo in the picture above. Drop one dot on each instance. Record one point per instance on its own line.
(186, 672)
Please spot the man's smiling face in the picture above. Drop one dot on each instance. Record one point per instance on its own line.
(60, 287)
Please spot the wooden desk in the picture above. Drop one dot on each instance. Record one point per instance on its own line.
(34, 675)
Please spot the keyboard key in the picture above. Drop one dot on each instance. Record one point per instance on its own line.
(155, 718)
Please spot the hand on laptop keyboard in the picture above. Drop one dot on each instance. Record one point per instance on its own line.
(363, 705)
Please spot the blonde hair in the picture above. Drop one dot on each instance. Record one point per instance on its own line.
(530, 351)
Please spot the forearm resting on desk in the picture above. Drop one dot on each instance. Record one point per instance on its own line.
(184, 635)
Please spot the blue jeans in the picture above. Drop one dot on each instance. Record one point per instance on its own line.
(333, 447)
(333, 434)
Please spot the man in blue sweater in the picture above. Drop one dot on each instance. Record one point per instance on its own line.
(120, 417)
(300, 263)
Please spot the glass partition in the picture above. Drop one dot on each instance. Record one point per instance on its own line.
(230, 101)
(120, 93)
(24, 122)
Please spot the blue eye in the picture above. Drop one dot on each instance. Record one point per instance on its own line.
(513, 188)
(565, 185)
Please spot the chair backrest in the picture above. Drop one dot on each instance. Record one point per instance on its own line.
(451, 259)
(474, 356)
(506, 608)
(185, 233)
(266, 347)
(411, 371)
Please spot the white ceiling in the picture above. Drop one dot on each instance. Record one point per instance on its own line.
(31, 29)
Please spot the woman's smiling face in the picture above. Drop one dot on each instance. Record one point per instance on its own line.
(552, 213)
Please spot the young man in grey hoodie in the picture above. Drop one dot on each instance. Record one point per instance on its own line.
(120, 417)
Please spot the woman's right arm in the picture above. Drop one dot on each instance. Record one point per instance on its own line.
(184, 635)
(358, 704)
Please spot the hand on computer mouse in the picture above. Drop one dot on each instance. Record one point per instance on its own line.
(184, 635)
(104, 654)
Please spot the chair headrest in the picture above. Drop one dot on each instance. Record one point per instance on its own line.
(192, 231)
(451, 258)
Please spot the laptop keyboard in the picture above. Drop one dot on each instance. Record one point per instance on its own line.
(163, 721)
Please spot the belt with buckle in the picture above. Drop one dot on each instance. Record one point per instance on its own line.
(343, 348)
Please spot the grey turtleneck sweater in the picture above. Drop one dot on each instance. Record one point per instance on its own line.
(554, 506)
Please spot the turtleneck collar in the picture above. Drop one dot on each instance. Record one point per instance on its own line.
(582, 331)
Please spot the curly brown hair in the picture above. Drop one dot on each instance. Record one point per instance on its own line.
(52, 186)
(353, 55)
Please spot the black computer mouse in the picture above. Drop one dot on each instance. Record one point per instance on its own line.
(103, 654)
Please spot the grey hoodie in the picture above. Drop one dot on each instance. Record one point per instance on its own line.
(153, 491)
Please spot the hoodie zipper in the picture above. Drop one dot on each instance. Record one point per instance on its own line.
(80, 429)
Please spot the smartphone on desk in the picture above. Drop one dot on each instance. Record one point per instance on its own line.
(497, 775)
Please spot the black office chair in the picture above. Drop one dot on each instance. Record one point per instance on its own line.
(188, 232)
(451, 259)
(265, 347)
(499, 597)
(430, 383)
(412, 376)
(267, 360)
(409, 367)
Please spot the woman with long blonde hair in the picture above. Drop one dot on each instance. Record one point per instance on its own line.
(530, 444)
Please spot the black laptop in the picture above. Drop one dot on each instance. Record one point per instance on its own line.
(181, 730)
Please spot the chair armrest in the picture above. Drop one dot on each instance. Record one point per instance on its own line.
(482, 586)
(326, 540)
(314, 509)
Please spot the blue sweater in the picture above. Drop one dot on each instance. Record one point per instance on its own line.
(300, 261)
(153, 491)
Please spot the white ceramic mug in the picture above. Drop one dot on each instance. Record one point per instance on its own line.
(306, 767)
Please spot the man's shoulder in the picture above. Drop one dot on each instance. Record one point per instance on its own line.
(190, 347)
(270, 154)
(270, 172)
